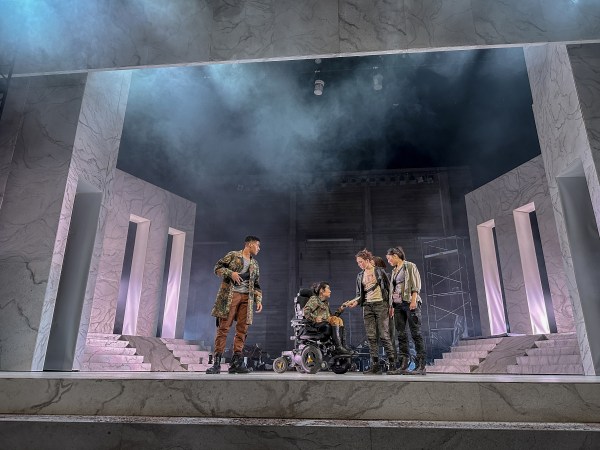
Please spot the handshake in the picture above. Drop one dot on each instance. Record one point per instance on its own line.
(350, 303)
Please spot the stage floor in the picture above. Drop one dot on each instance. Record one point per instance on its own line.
(265, 410)
(293, 375)
(323, 396)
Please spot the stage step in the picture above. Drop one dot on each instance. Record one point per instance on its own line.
(203, 366)
(460, 355)
(183, 347)
(201, 357)
(193, 356)
(190, 353)
(453, 361)
(469, 342)
(556, 350)
(115, 367)
(116, 359)
(569, 342)
(563, 369)
(561, 336)
(450, 368)
(103, 336)
(111, 353)
(482, 347)
(94, 350)
(552, 360)
(266, 410)
(525, 354)
(106, 343)
(554, 354)
(464, 357)
(176, 341)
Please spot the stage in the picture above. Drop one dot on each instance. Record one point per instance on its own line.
(292, 410)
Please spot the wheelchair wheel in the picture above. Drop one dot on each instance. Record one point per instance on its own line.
(341, 365)
(280, 365)
(311, 359)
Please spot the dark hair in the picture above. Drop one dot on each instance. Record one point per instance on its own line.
(379, 262)
(316, 287)
(251, 239)
(365, 254)
(397, 251)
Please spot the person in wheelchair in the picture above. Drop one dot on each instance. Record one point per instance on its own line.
(317, 311)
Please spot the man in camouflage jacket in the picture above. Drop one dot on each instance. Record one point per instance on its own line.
(239, 291)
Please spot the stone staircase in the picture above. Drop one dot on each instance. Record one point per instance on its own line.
(110, 353)
(192, 356)
(465, 357)
(553, 354)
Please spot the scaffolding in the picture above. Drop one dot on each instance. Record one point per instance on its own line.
(447, 300)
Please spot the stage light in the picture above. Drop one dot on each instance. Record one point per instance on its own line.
(319, 85)
(377, 82)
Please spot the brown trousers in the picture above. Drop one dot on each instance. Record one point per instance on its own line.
(238, 311)
(335, 321)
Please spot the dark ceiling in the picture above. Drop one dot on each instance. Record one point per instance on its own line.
(185, 125)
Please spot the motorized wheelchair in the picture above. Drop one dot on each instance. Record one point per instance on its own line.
(313, 350)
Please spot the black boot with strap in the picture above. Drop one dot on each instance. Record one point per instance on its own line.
(216, 367)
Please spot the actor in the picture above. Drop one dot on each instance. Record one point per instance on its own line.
(239, 291)
(317, 310)
(406, 302)
(379, 262)
(372, 292)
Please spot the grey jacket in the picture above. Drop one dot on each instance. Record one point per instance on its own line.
(412, 282)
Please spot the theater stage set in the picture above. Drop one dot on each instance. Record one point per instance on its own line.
(68, 381)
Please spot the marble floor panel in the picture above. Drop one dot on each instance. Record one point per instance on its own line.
(326, 396)
(60, 432)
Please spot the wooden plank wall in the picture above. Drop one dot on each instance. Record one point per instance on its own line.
(312, 232)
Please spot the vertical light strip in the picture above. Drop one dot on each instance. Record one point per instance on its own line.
(173, 284)
(531, 272)
(491, 278)
(134, 290)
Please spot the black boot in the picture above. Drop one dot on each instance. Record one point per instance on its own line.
(216, 367)
(375, 368)
(343, 336)
(402, 366)
(237, 364)
(338, 342)
(421, 368)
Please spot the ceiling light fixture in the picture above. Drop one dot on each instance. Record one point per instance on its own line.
(319, 85)
(377, 82)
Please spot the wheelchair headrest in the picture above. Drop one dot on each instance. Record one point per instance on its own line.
(306, 292)
(303, 296)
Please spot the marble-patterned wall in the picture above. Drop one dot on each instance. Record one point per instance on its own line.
(497, 200)
(163, 210)
(585, 62)
(102, 34)
(558, 97)
(10, 126)
(69, 129)
(94, 161)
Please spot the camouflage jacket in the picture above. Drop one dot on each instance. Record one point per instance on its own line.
(234, 262)
(317, 307)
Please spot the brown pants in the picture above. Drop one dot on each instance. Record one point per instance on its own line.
(335, 321)
(238, 311)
